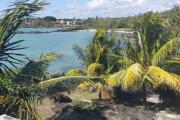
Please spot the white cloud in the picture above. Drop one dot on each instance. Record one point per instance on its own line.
(115, 8)
(96, 3)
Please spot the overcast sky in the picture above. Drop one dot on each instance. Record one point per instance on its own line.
(101, 8)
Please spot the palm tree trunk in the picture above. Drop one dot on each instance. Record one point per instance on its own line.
(100, 94)
(144, 93)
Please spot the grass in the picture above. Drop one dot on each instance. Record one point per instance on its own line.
(84, 95)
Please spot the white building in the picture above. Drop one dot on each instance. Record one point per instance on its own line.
(68, 23)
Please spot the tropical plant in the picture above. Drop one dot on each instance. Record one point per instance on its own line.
(100, 58)
(66, 83)
(22, 90)
(26, 88)
(11, 21)
(14, 98)
(36, 70)
(95, 69)
(99, 50)
(147, 58)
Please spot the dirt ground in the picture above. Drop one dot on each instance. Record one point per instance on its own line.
(85, 106)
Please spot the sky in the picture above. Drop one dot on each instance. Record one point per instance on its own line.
(101, 8)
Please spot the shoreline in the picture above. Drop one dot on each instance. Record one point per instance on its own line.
(121, 30)
(58, 30)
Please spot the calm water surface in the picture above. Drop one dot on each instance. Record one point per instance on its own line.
(60, 42)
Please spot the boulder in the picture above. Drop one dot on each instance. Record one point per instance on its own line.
(62, 99)
(6, 117)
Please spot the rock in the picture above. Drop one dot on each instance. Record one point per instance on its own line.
(134, 118)
(154, 99)
(109, 113)
(5, 117)
(62, 99)
(166, 115)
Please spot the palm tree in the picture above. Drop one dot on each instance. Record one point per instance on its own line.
(99, 58)
(13, 17)
(145, 59)
(24, 89)
(27, 87)
(96, 69)
(36, 70)
(99, 50)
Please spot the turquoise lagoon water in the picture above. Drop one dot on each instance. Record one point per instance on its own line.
(60, 42)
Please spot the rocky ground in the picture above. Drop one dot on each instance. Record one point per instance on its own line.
(93, 109)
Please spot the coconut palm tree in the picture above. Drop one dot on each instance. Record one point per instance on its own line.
(145, 59)
(36, 70)
(27, 87)
(99, 50)
(22, 90)
(11, 21)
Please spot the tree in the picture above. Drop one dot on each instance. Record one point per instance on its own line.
(99, 58)
(22, 89)
(145, 59)
(18, 99)
(36, 70)
(96, 69)
(101, 50)
(50, 18)
(13, 18)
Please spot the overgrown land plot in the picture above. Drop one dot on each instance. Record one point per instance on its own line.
(129, 74)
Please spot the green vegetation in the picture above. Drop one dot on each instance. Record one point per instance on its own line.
(147, 56)
(95, 69)
(171, 17)
(149, 61)
(75, 72)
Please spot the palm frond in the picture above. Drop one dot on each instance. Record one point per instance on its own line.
(80, 53)
(159, 77)
(130, 78)
(22, 107)
(116, 79)
(12, 20)
(168, 50)
(35, 70)
(124, 61)
(174, 60)
(67, 83)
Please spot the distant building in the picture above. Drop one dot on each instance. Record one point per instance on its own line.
(68, 23)
(61, 22)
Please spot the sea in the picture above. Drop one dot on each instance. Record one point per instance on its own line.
(60, 42)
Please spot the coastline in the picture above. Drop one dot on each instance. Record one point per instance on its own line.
(87, 30)
(58, 30)
(121, 30)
